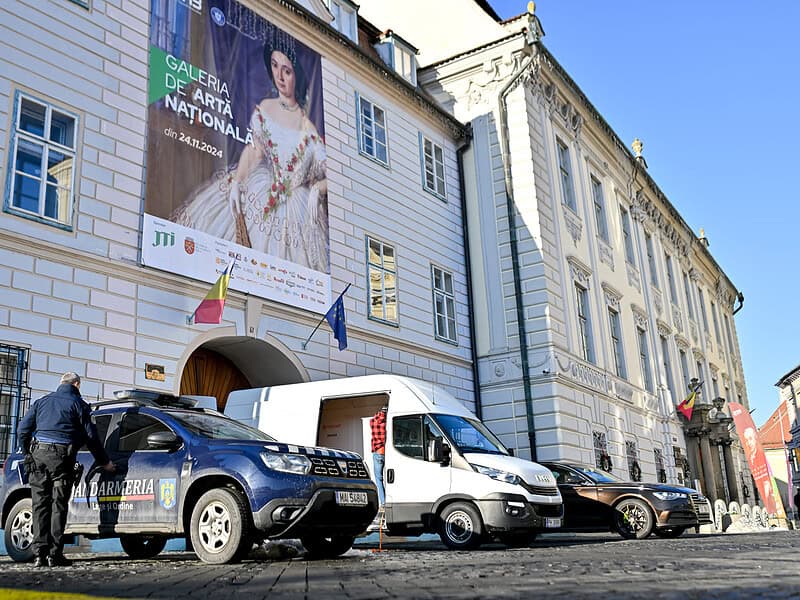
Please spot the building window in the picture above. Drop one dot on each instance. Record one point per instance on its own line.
(372, 130)
(565, 169)
(444, 304)
(644, 359)
(651, 259)
(688, 290)
(668, 367)
(715, 387)
(41, 165)
(81, 3)
(700, 374)
(684, 369)
(600, 209)
(616, 343)
(601, 457)
(382, 281)
(627, 240)
(728, 334)
(673, 292)
(584, 323)
(432, 156)
(658, 457)
(632, 454)
(14, 394)
(399, 55)
(716, 324)
(345, 18)
(702, 300)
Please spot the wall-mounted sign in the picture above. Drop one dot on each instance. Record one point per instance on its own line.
(236, 162)
(154, 372)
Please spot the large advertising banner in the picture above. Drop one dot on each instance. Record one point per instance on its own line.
(759, 467)
(236, 163)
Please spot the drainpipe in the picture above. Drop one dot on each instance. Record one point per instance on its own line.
(468, 265)
(740, 298)
(532, 38)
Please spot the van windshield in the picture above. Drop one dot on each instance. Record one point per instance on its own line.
(470, 435)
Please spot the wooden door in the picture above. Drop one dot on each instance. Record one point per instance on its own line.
(208, 373)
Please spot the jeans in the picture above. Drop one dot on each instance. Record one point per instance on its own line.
(51, 485)
(378, 461)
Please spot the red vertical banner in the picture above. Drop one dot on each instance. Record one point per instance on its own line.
(759, 467)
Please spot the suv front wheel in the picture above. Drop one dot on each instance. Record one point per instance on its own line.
(220, 528)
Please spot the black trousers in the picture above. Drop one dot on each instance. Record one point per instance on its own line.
(51, 485)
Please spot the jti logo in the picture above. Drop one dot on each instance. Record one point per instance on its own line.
(164, 238)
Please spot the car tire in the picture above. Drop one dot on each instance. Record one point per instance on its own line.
(517, 540)
(142, 546)
(460, 526)
(669, 532)
(633, 519)
(18, 535)
(320, 547)
(220, 527)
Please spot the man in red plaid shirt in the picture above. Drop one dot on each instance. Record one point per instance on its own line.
(378, 426)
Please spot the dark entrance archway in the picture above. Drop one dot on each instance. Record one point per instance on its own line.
(223, 364)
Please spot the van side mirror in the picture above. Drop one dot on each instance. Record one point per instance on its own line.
(163, 440)
(439, 452)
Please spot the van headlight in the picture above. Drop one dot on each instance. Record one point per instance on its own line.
(667, 496)
(497, 474)
(286, 463)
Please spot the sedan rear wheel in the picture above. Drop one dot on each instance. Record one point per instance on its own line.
(633, 519)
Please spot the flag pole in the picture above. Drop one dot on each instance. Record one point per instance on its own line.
(304, 344)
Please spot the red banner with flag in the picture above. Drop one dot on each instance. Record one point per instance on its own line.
(759, 467)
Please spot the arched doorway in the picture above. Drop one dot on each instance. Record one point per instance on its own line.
(220, 365)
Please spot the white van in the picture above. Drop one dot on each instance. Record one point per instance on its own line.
(445, 471)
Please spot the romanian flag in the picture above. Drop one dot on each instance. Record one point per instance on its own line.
(687, 405)
(210, 309)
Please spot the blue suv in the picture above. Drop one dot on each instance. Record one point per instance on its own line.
(190, 472)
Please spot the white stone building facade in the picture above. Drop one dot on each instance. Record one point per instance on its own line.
(74, 294)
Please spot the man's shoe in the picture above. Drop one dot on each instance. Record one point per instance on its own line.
(40, 561)
(58, 561)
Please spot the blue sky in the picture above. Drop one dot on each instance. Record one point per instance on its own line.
(711, 87)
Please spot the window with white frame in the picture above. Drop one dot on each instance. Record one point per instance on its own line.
(616, 343)
(632, 454)
(584, 323)
(627, 239)
(665, 355)
(600, 448)
(399, 55)
(381, 281)
(715, 386)
(651, 259)
(661, 470)
(565, 170)
(716, 324)
(728, 334)
(372, 139)
(688, 290)
(432, 155)
(673, 292)
(345, 18)
(702, 300)
(444, 304)
(600, 209)
(644, 359)
(41, 173)
(684, 360)
(700, 375)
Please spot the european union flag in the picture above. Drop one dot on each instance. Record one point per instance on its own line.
(336, 320)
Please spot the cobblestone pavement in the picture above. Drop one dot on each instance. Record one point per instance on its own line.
(762, 565)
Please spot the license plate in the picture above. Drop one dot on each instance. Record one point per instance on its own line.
(552, 522)
(351, 498)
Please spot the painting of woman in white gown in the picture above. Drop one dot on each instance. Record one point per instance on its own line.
(274, 198)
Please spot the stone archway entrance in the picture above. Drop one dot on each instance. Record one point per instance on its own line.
(223, 364)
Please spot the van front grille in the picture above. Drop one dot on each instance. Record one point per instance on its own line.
(540, 490)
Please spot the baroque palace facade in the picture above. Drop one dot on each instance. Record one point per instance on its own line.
(498, 237)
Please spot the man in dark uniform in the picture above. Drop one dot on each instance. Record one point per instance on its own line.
(52, 432)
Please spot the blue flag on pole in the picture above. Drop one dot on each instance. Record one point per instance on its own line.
(336, 320)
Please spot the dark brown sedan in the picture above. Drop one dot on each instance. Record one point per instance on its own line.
(595, 500)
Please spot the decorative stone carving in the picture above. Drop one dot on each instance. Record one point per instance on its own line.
(682, 342)
(664, 329)
(714, 370)
(579, 272)
(668, 231)
(658, 300)
(640, 316)
(574, 225)
(612, 296)
(606, 253)
(484, 87)
(633, 276)
(693, 331)
(698, 355)
(677, 318)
